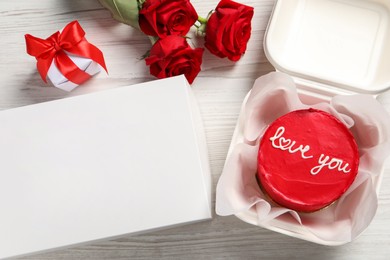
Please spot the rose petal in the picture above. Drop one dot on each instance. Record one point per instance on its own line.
(228, 30)
(157, 17)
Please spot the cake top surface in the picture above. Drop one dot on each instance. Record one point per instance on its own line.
(307, 159)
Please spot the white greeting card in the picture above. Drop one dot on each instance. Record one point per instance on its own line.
(101, 165)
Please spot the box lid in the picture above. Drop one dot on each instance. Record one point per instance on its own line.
(341, 44)
(101, 165)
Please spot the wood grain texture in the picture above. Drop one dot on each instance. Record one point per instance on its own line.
(221, 238)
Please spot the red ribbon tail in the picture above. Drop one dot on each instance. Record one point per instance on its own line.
(42, 50)
(88, 50)
(43, 66)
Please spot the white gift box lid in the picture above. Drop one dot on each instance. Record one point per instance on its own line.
(101, 165)
(60, 81)
(330, 45)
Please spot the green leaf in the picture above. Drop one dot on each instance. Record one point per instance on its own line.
(125, 11)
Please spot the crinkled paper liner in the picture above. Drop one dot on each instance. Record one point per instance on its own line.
(238, 192)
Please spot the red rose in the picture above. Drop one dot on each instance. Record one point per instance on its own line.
(167, 17)
(172, 56)
(229, 29)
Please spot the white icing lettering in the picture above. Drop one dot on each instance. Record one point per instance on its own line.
(280, 142)
(284, 144)
(334, 163)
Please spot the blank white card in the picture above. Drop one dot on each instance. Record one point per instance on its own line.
(101, 165)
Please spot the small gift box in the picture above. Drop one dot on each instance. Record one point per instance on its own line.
(66, 57)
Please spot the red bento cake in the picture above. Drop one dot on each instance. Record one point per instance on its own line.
(307, 159)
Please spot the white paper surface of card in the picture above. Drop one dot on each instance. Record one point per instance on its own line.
(101, 165)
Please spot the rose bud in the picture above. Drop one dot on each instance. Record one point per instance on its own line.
(229, 29)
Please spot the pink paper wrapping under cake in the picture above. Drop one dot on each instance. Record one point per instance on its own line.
(238, 193)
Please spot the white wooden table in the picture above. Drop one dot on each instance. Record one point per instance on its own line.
(222, 237)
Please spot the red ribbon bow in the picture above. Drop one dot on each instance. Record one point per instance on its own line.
(70, 40)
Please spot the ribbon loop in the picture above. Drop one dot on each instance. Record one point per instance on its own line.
(70, 40)
(37, 47)
(71, 35)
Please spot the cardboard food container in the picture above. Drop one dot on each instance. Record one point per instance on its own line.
(329, 48)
